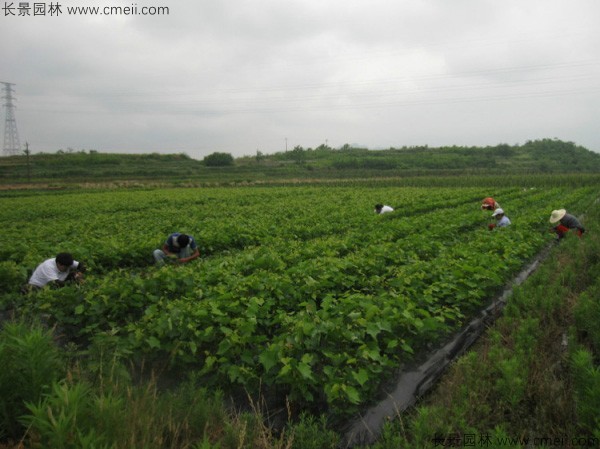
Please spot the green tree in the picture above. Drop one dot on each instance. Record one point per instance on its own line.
(298, 154)
(218, 160)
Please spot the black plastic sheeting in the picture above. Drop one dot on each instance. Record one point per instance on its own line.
(413, 381)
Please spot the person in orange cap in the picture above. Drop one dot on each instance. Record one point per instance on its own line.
(565, 222)
(489, 204)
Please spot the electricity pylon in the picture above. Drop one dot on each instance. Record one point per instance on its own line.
(12, 145)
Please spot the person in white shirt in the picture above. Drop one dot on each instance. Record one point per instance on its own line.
(501, 219)
(57, 271)
(382, 209)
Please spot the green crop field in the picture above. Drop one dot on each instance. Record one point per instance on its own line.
(300, 291)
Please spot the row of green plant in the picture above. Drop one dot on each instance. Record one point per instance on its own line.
(316, 307)
(120, 229)
(522, 381)
(323, 309)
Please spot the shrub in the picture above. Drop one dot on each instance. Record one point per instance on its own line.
(218, 160)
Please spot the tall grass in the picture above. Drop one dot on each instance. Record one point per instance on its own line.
(93, 404)
(29, 364)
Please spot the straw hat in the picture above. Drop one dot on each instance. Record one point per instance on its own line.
(557, 215)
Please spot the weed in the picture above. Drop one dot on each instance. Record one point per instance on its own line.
(30, 364)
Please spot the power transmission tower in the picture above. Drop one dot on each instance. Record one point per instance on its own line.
(12, 145)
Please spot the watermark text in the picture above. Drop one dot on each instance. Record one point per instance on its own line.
(54, 9)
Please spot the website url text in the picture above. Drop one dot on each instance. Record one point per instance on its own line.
(26, 9)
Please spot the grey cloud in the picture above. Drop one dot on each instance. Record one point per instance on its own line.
(245, 75)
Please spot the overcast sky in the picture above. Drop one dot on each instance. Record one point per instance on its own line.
(245, 75)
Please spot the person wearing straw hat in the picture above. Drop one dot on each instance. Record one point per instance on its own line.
(489, 204)
(502, 220)
(565, 222)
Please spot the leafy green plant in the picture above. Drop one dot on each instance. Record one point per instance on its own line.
(30, 364)
(62, 420)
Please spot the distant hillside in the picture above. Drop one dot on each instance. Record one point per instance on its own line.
(541, 156)
(83, 166)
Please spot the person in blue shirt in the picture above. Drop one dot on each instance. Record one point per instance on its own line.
(181, 247)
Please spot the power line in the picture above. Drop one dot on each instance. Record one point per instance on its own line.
(501, 83)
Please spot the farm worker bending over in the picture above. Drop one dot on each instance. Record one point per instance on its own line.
(565, 222)
(381, 209)
(56, 271)
(501, 219)
(489, 204)
(180, 246)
